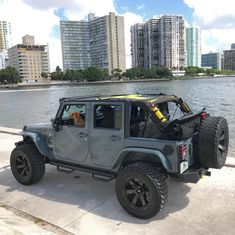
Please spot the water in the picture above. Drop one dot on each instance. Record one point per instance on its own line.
(23, 106)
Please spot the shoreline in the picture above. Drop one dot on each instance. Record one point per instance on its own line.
(68, 83)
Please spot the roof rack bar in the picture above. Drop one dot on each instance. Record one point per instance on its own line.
(80, 97)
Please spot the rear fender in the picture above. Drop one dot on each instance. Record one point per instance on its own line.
(151, 155)
(38, 140)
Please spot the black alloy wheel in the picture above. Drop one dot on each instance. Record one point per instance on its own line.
(137, 193)
(27, 164)
(141, 189)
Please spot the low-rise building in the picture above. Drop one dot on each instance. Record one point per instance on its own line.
(212, 60)
(229, 58)
(30, 60)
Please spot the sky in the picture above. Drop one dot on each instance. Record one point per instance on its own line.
(41, 18)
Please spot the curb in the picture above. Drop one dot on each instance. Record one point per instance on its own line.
(10, 131)
(38, 221)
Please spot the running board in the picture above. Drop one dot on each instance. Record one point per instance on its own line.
(102, 178)
(64, 170)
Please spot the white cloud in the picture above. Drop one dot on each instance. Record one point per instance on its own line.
(26, 20)
(217, 20)
(130, 19)
(140, 7)
(36, 17)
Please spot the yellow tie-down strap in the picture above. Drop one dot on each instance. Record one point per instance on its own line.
(158, 113)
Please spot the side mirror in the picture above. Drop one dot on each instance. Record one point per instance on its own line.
(56, 123)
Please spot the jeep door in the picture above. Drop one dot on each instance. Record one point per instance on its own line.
(71, 141)
(107, 132)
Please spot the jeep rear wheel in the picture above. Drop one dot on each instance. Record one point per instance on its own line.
(213, 140)
(141, 189)
(27, 164)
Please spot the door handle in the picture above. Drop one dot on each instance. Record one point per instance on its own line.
(115, 137)
(83, 135)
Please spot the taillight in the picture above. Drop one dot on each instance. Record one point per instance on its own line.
(203, 116)
(182, 151)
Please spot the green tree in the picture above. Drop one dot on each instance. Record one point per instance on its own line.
(164, 73)
(57, 76)
(93, 74)
(58, 69)
(44, 75)
(9, 75)
(117, 73)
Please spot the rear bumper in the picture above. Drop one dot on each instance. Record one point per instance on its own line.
(194, 174)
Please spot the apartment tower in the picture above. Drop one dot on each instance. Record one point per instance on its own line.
(137, 45)
(193, 46)
(160, 42)
(97, 42)
(5, 42)
(30, 60)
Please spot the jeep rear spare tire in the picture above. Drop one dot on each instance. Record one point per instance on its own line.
(141, 189)
(213, 140)
(27, 164)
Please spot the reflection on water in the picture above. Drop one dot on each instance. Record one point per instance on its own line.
(20, 107)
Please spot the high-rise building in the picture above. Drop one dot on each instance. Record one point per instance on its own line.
(5, 35)
(229, 59)
(97, 42)
(193, 46)
(75, 41)
(172, 40)
(137, 45)
(160, 42)
(30, 60)
(5, 42)
(151, 43)
(212, 60)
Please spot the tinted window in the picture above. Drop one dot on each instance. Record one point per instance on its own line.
(108, 116)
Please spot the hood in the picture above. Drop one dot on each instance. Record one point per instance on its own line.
(41, 127)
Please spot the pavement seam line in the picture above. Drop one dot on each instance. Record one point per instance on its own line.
(9, 133)
(40, 222)
(100, 204)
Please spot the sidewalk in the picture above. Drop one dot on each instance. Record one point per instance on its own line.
(79, 205)
(11, 224)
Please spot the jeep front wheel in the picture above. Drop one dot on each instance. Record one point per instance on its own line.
(27, 164)
(141, 189)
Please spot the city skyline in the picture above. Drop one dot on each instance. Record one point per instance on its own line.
(217, 24)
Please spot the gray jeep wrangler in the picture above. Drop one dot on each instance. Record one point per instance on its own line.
(137, 139)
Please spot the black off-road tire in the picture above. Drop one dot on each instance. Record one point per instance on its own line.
(213, 140)
(27, 158)
(146, 182)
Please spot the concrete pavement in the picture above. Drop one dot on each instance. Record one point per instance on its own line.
(78, 204)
